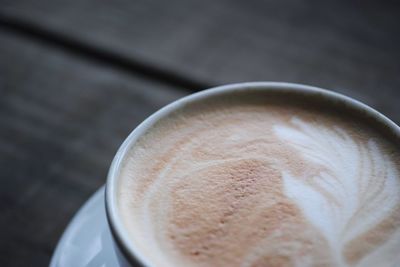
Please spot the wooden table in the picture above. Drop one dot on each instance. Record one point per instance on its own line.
(77, 76)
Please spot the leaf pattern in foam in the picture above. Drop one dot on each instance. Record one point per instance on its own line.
(356, 187)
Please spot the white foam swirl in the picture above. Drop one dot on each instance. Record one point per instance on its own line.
(357, 186)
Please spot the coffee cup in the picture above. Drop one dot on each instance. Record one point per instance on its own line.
(136, 252)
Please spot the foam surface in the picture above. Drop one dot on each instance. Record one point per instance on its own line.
(250, 184)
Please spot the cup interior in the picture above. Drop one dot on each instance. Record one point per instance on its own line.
(290, 90)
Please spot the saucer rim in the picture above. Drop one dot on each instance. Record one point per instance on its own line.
(95, 197)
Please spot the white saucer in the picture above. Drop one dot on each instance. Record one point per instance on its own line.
(87, 240)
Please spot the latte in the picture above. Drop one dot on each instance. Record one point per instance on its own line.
(259, 180)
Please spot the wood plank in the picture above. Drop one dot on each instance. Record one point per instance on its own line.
(62, 119)
(347, 46)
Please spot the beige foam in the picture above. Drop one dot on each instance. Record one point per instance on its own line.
(217, 185)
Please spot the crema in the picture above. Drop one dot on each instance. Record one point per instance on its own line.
(259, 181)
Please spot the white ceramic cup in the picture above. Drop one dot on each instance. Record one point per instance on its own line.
(127, 254)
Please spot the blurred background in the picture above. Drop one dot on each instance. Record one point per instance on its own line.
(77, 76)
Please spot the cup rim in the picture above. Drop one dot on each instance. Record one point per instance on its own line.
(120, 234)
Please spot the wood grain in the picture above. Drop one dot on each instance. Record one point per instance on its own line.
(347, 46)
(62, 120)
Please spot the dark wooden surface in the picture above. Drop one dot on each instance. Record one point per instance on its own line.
(77, 76)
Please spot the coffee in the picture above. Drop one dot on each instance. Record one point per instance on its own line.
(253, 179)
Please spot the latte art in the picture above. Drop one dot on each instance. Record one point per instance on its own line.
(263, 184)
(357, 186)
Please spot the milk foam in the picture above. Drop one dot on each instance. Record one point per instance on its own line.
(345, 199)
(262, 185)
